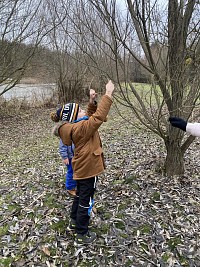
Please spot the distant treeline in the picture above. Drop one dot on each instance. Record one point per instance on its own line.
(36, 62)
(42, 64)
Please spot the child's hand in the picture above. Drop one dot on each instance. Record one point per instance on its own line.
(93, 95)
(109, 88)
(66, 161)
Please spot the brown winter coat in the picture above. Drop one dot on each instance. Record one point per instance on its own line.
(88, 160)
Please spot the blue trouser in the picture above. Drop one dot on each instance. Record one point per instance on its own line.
(70, 183)
(82, 204)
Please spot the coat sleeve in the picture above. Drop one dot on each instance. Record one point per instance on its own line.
(92, 107)
(193, 129)
(96, 119)
(63, 150)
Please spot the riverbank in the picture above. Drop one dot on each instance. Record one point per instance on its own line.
(29, 92)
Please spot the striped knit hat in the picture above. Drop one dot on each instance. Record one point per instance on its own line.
(68, 112)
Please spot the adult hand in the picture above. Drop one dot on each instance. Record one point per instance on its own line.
(178, 123)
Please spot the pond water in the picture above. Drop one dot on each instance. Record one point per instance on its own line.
(29, 91)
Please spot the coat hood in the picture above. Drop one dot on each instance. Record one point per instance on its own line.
(65, 127)
(65, 131)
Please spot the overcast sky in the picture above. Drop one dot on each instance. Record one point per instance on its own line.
(162, 3)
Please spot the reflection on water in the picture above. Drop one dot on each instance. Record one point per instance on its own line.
(29, 91)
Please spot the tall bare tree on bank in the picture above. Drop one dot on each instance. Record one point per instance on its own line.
(69, 69)
(170, 54)
(23, 25)
(75, 67)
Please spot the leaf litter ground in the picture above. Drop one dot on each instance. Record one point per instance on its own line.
(143, 217)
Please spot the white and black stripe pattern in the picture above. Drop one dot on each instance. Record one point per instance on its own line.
(95, 181)
(68, 112)
(73, 105)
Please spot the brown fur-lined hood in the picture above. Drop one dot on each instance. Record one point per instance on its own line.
(68, 131)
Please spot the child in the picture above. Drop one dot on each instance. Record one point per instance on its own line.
(88, 160)
(67, 152)
(190, 128)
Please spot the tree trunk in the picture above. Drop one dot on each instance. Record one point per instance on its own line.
(174, 163)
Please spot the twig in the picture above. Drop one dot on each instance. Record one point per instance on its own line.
(11, 214)
(133, 252)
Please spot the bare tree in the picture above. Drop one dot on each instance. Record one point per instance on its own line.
(95, 41)
(164, 43)
(79, 63)
(70, 69)
(22, 23)
(169, 53)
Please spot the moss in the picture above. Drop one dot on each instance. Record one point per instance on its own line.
(100, 209)
(64, 264)
(130, 179)
(6, 262)
(87, 263)
(154, 212)
(23, 246)
(12, 207)
(155, 196)
(184, 262)
(165, 257)
(164, 225)
(3, 230)
(128, 263)
(182, 259)
(49, 239)
(50, 201)
(173, 242)
(59, 226)
(120, 215)
(117, 182)
(104, 228)
(107, 215)
(144, 246)
(178, 207)
(48, 182)
(134, 186)
(120, 225)
(122, 207)
(31, 215)
(123, 235)
(145, 229)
